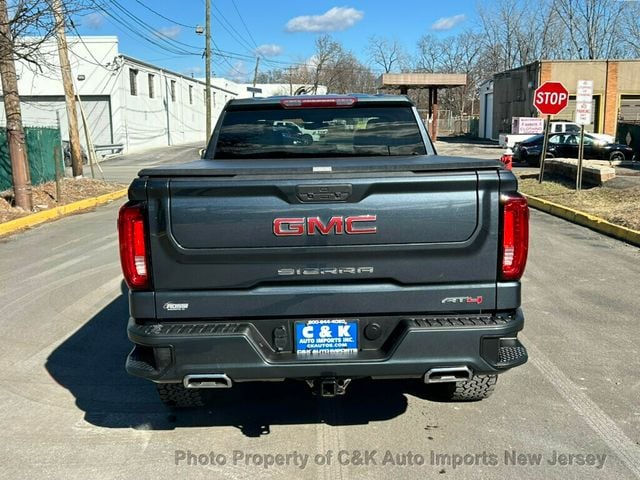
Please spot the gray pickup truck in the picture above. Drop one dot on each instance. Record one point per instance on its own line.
(362, 254)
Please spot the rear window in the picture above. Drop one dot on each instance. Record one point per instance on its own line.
(319, 132)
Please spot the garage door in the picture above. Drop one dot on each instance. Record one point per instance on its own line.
(630, 109)
(41, 112)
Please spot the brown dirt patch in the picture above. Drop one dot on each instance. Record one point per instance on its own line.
(619, 206)
(44, 196)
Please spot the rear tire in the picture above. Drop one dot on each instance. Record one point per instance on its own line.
(478, 388)
(175, 395)
(615, 156)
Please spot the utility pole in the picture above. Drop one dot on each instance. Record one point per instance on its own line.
(69, 93)
(255, 74)
(207, 55)
(15, 132)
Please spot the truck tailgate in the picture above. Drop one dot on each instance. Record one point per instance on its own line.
(428, 238)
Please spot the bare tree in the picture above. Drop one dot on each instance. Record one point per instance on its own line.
(592, 26)
(15, 131)
(25, 26)
(455, 54)
(630, 23)
(386, 53)
(328, 52)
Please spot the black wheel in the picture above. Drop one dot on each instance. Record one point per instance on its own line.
(175, 395)
(615, 156)
(478, 388)
(307, 139)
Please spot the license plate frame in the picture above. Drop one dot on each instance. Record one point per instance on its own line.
(326, 336)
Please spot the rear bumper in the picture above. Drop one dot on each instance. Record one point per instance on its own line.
(167, 352)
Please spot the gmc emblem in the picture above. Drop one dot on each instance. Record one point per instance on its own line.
(295, 227)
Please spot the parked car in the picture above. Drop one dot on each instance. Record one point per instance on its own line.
(315, 134)
(291, 134)
(566, 146)
(509, 140)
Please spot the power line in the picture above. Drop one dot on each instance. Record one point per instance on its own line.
(162, 16)
(225, 59)
(149, 28)
(134, 24)
(235, 5)
(169, 45)
(121, 23)
(95, 60)
(232, 31)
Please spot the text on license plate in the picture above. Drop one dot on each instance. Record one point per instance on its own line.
(327, 336)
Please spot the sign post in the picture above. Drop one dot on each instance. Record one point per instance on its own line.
(584, 102)
(550, 98)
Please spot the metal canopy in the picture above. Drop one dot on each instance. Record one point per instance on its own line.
(422, 80)
(429, 81)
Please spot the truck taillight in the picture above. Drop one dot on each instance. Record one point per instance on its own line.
(133, 246)
(515, 236)
(318, 102)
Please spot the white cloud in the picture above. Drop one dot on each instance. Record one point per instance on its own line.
(170, 32)
(269, 50)
(447, 23)
(94, 21)
(336, 19)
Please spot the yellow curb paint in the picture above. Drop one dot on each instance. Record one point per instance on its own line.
(64, 210)
(586, 220)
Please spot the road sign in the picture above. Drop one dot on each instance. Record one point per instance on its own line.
(551, 98)
(584, 102)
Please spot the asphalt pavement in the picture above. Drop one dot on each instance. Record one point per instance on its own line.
(68, 409)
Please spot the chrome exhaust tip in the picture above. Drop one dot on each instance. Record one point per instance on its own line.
(213, 380)
(448, 374)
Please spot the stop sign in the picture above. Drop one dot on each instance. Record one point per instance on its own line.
(551, 98)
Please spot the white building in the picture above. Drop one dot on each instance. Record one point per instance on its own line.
(126, 101)
(267, 89)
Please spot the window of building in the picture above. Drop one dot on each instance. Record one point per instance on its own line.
(133, 81)
(151, 85)
(173, 90)
(190, 94)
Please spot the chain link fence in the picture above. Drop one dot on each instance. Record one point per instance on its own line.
(454, 125)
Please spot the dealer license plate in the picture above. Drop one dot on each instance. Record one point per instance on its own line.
(327, 336)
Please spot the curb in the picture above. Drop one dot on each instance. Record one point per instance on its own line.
(586, 220)
(13, 226)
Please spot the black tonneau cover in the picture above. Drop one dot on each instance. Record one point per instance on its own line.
(229, 168)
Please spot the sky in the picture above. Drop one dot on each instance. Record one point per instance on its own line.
(281, 32)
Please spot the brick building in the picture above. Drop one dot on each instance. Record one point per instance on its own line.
(616, 92)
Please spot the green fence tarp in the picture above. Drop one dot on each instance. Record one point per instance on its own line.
(41, 143)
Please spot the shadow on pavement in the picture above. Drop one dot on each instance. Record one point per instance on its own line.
(90, 364)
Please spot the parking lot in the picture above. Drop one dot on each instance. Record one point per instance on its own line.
(69, 410)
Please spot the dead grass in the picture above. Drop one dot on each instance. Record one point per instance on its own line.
(619, 206)
(44, 196)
